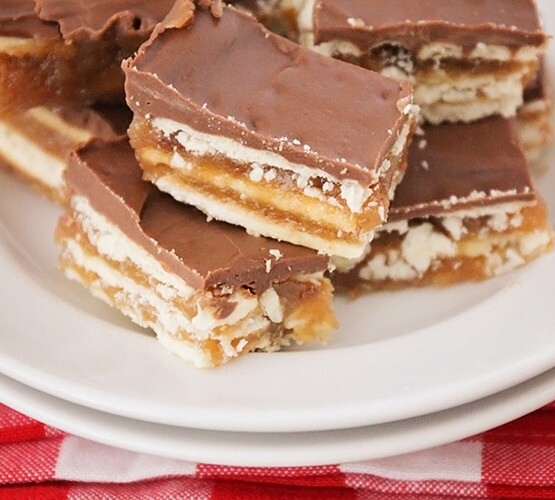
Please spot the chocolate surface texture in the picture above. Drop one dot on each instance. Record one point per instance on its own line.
(231, 77)
(415, 23)
(81, 19)
(463, 166)
(18, 19)
(207, 255)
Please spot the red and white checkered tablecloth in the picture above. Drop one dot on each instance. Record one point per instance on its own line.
(516, 461)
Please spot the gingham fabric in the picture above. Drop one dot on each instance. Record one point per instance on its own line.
(515, 461)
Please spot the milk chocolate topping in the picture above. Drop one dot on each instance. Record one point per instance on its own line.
(207, 255)
(231, 77)
(415, 23)
(83, 19)
(103, 122)
(18, 19)
(463, 166)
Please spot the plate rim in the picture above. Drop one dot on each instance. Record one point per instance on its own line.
(282, 450)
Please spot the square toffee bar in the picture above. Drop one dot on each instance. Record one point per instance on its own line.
(467, 59)
(209, 291)
(257, 131)
(466, 210)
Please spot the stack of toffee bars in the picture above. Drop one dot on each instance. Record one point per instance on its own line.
(369, 145)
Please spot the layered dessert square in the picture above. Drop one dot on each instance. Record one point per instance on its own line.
(535, 117)
(466, 211)
(64, 52)
(35, 143)
(209, 291)
(257, 131)
(467, 59)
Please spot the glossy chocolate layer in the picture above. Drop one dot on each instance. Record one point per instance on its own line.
(83, 19)
(207, 255)
(231, 77)
(415, 23)
(18, 19)
(463, 166)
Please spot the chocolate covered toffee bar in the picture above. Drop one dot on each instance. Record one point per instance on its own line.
(534, 117)
(209, 290)
(467, 59)
(36, 143)
(256, 131)
(466, 210)
(63, 52)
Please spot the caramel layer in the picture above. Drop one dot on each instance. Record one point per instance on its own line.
(456, 68)
(471, 261)
(55, 73)
(61, 52)
(278, 201)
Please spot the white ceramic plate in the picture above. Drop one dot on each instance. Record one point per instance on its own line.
(396, 355)
(278, 450)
